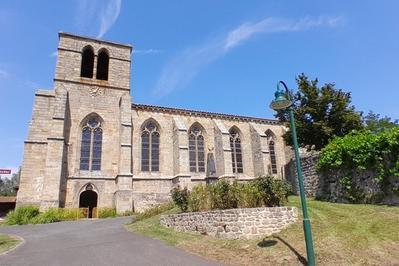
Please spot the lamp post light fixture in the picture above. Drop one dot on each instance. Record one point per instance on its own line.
(283, 101)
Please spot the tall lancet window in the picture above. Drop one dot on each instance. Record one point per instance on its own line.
(86, 68)
(236, 153)
(196, 149)
(91, 146)
(272, 151)
(150, 147)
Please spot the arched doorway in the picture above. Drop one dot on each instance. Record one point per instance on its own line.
(88, 199)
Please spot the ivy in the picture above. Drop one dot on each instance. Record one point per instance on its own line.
(363, 151)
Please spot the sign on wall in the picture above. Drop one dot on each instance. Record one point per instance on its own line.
(5, 171)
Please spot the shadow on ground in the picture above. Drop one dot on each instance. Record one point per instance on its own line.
(265, 243)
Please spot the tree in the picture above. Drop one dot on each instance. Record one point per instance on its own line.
(321, 113)
(376, 124)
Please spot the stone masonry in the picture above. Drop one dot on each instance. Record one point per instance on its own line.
(249, 223)
(51, 175)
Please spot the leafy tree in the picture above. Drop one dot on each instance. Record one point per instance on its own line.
(321, 113)
(376, 124)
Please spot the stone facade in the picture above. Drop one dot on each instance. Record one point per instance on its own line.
(51, 173)
(249, 223)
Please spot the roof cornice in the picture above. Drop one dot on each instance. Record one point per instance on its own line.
(179, 111)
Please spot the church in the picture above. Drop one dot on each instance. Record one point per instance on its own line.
(89, 145)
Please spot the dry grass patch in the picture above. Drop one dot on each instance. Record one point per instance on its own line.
(8, 242)
(344, 234)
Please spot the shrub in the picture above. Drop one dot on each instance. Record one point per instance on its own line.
(106, 212)
(51, 215)
(180, 197)
(154, 211)
(222, 195)
(70, 214)
(274, 191)
(22, 215)
(249, 195)
(199, 199)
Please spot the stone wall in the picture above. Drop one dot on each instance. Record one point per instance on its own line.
(311, 179)
(248, 223)
(363, 187)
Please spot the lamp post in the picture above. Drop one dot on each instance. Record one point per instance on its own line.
(283, 101)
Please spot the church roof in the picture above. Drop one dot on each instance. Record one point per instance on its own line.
(180, 111)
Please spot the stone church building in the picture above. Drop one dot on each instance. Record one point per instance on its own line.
(88, 145)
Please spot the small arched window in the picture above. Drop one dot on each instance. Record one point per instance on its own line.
(102, 65)
(150, 147)
(86, 68)
(196, 149)
(272, 151)
(91, 147)
(236, 153)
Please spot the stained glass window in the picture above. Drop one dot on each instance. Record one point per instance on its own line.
(272, 151)
(150, 148)
(91, 146)
(236, 153)
(196, 150)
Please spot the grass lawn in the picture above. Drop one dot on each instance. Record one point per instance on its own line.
(343, 234)
(7, 242)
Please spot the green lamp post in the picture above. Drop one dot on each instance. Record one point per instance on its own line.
(283, 101)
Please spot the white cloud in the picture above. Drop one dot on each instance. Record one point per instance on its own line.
(3, 73)
(271, 25)
(147, 51)
(179, 71)
(99, 15)
(108, 16)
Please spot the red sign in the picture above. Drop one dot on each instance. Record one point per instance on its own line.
(5, 171)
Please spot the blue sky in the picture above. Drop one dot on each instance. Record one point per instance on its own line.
(221, 56)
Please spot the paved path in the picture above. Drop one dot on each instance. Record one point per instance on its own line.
(91, 242)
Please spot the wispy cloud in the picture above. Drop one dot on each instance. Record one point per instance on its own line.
(179, 71)
(148, 51)
(109, 15)
(99, 14)
(3, 73)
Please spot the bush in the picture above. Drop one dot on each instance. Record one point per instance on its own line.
(249, 196)
(154, 211)
(52, 215)
(223, 195)
(106, 212)
(22, 215)
(70, 214)
(199, 199)
(264, 191)
(180, 197)
(274, 191)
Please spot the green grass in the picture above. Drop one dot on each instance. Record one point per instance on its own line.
(7, 242)
(343, 234)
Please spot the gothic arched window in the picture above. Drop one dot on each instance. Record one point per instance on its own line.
(150, 147)
(90, 150)
(86, 68)
(272, 151)
(196, 149)
(236, 153)
(102, 65)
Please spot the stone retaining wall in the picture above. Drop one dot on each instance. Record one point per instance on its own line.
(233, 223)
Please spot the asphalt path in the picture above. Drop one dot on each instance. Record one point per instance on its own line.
(91, 242)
